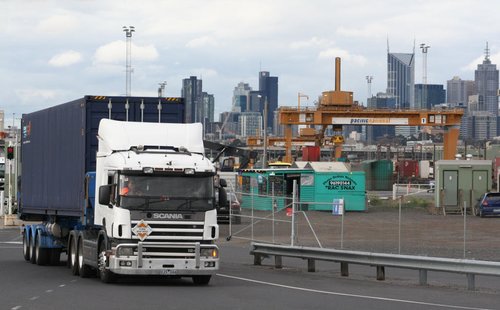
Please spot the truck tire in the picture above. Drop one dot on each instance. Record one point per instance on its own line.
(55, 257)
(42, 254)
(26, 246)
(72, 254)
(85, 271)
(32, 249)
(201, 280)
(105, 275)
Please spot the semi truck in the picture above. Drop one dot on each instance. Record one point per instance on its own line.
(121, 186)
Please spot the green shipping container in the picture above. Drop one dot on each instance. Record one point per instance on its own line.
(379, 174)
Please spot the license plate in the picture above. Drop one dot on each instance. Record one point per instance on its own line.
(168, 272)
(496, 210)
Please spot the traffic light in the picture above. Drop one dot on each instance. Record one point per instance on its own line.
(10, 152)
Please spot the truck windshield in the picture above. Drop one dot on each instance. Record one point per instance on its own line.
(166, 193)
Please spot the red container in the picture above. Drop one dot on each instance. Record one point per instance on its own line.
(408, 168)
(311, 153)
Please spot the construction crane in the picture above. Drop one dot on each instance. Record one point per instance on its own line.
(337, 109)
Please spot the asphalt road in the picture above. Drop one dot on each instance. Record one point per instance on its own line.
(238, 285)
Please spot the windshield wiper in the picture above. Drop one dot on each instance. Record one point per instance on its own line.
(187, 202)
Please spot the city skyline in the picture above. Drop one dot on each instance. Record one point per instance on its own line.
(56, 51)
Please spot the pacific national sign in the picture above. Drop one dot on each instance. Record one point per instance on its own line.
(369, 121)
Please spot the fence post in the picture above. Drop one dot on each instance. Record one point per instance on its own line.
(292, 237)
(344, 269)
(422, 276)
(380, 273)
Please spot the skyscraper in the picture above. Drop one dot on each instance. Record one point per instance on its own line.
(192, 94)
(458, 91)
(486, 78)
(401, 84)
(428, 95)
(250, 124)
(199, 104)
(268, 87)
(381, 101)
(481, 118)
(241, 96)
(401, 79)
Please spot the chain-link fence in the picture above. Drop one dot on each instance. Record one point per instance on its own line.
(408, 225)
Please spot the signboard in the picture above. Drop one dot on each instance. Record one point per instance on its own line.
(369, 121)
(340, 183)
(338, 207)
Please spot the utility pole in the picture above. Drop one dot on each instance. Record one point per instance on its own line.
(128, 60)
(424, 100)
(369, 79)
(264, 157)
(424, 71)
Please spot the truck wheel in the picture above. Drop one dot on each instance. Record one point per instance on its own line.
(201, 280)
(42, 254)
(55, 257)
(84, 270)
(32, 249)
(105, 275)
(72, 256)
(26, 246)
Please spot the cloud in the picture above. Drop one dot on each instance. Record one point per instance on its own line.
(495, 59)
(368, 31)
(58, 24)
(115, 52)
(28, 96)
(65, 59)
(204, 72)
(204, 41)
(331, 53)
(314, 41)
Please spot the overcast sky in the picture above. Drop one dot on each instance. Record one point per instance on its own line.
(56, 51)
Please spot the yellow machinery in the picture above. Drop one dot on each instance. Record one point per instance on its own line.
(336, 109)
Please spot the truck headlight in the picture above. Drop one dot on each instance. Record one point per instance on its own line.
(124, 251)
(209, 252)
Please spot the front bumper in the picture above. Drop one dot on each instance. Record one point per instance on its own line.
(164, 258)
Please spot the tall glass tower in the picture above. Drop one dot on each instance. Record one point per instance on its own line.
(401, 84)
(268, 87)
(486, 78)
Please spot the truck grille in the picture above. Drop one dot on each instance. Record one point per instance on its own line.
(173, 230)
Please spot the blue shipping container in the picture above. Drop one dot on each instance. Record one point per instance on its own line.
(59, 145)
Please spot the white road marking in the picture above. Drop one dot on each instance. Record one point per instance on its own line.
(34, 297)
(12, 242)
(62, 285)
(49, 291)
(350, 295)
(16, 307)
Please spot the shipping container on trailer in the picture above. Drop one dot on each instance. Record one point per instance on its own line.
(52, 177)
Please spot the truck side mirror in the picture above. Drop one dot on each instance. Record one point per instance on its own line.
(222, 183)
(222, 197)
(105, 194)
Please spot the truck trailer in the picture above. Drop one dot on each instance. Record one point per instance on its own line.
(121, 186)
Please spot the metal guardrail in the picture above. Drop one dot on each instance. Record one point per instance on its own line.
(380, 260)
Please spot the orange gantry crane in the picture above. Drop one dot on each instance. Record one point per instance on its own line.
(337, 109)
